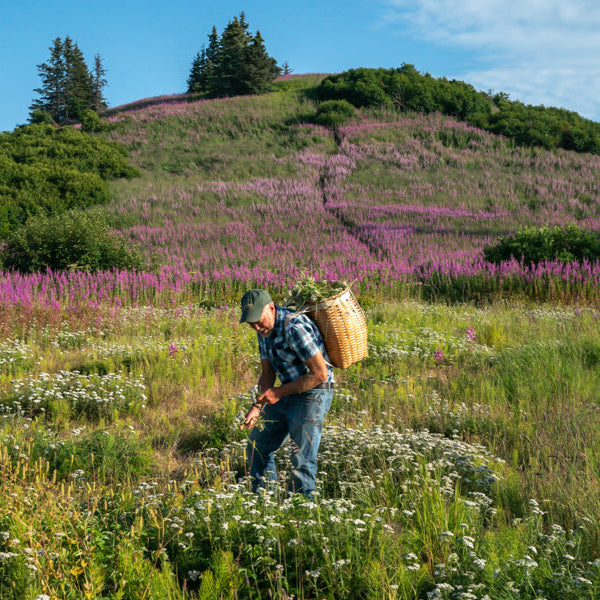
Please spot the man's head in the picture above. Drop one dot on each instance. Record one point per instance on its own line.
(258, 310)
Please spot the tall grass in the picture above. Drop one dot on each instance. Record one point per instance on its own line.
(458, 460)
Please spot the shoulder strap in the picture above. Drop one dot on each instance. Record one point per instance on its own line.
(285, 324)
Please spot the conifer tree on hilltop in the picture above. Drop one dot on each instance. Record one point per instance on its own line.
(236, 63)
(68, 87)
(97, 99)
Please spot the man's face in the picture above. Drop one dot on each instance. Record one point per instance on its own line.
(264, 326)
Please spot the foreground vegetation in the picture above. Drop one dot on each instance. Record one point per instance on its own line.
(459, 460)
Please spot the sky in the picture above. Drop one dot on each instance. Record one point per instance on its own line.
(536, 51)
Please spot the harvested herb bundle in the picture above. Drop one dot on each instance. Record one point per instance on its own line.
(308, 291)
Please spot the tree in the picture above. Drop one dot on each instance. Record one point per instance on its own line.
(68, 87)
(195, 76)
(97, 100)
(234, 64)
(52, 89)
(260, 67)
(203, 66)
(231, 60)
(78, 89)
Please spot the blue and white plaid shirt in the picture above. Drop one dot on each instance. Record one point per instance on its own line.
(291, 343)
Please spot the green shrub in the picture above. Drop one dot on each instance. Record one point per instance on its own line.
(75, 239)
(567, 244)
(45, 169)
(90, 121)
(408, 90)
(41, 117)
(334, 113)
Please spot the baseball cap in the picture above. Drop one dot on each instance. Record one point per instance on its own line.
(253, 304)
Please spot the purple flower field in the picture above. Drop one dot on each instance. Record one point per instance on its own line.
(247, 192)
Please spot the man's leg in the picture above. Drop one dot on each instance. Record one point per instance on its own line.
(262, 443)
(305, 421)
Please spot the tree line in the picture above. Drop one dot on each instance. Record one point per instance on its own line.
(237, 62)
(405, 89)
(232, 64)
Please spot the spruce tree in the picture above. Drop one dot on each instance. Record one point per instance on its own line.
(78, 82)
(52, 89)
(97, 100)
(195, 77)
(231, 61)
(203, 67)
(234, 64)
(68, 87)
(211, 59)
(261, 68)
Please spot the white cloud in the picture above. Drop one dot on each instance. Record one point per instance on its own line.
(539, 51)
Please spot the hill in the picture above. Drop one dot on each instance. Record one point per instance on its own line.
(460, 459)
(250, 191)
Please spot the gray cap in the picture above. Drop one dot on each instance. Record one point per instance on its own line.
(253, 304)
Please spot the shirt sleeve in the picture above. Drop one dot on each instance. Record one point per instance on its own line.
(304, 338)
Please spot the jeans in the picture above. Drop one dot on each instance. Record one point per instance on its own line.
(299, 416)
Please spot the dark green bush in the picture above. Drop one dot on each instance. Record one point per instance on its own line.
(46, 170)
(408, 90)
(567, 244)
(41, 117)
(334, 113)
(75, 239)
(90, 121)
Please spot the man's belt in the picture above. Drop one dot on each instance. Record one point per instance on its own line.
(327, 385)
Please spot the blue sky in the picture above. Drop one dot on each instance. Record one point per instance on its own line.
(538, 51)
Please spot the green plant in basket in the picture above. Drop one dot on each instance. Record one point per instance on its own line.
(308, 291)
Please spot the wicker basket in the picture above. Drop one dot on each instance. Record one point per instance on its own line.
(343, 325)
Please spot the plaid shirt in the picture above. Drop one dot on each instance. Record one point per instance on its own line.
(291, 343)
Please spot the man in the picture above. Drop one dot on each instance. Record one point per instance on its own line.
(292, 349)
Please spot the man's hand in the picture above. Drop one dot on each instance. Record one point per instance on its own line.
(270, 396)
(251, 418)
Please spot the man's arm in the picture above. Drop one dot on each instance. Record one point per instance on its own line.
(265, 381)
(267, 376)
(317, 374)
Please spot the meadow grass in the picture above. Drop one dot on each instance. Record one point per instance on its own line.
(458, 461)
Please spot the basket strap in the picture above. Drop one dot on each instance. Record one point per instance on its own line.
(293, 316)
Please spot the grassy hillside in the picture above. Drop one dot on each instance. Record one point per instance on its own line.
(459, 460)
(391, 199)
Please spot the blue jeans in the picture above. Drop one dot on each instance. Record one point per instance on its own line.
(299, 416)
